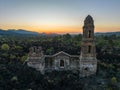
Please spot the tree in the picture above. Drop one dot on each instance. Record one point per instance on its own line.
(67, 36)
(5, 47)
(18, 47)
(113, 80)
(77, 37)
(23, 58)
(14, 78)
(12, 56)
(50, 50)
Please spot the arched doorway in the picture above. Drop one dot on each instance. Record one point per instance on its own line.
(61, 63)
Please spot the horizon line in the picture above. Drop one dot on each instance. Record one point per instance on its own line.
(58, 32)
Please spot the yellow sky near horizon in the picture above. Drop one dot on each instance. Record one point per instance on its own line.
(60, 29)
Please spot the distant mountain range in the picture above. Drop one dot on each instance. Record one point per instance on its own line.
(21, 32)
(14, 32)
(107, 33)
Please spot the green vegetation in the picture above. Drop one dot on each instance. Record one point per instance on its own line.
(114, 80)
(14, 75)
(5, 47)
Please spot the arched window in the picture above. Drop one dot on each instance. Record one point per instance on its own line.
(61, 63)
(89, 49)
(89, 34)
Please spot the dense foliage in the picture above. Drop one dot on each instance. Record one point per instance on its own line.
(14, 75)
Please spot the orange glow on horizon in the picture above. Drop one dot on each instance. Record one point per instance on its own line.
(59, 29)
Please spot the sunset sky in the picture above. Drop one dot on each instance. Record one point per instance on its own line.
(59, 16)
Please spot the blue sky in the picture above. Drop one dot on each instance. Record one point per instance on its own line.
(59, 15)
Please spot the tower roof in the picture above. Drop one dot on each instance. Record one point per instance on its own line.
(89, 18)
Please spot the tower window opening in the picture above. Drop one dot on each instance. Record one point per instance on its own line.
(34, 49)
(86, 69)
(89, 34)
(61, 63)
(89, 49)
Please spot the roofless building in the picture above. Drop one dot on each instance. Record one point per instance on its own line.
(86, 63)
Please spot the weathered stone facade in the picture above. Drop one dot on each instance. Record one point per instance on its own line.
(86, 63)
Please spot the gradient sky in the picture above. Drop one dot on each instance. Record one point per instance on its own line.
(59, 16)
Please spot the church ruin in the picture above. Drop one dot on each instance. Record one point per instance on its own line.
(86, 63)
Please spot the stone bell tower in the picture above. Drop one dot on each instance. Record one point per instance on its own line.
(88, 61)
